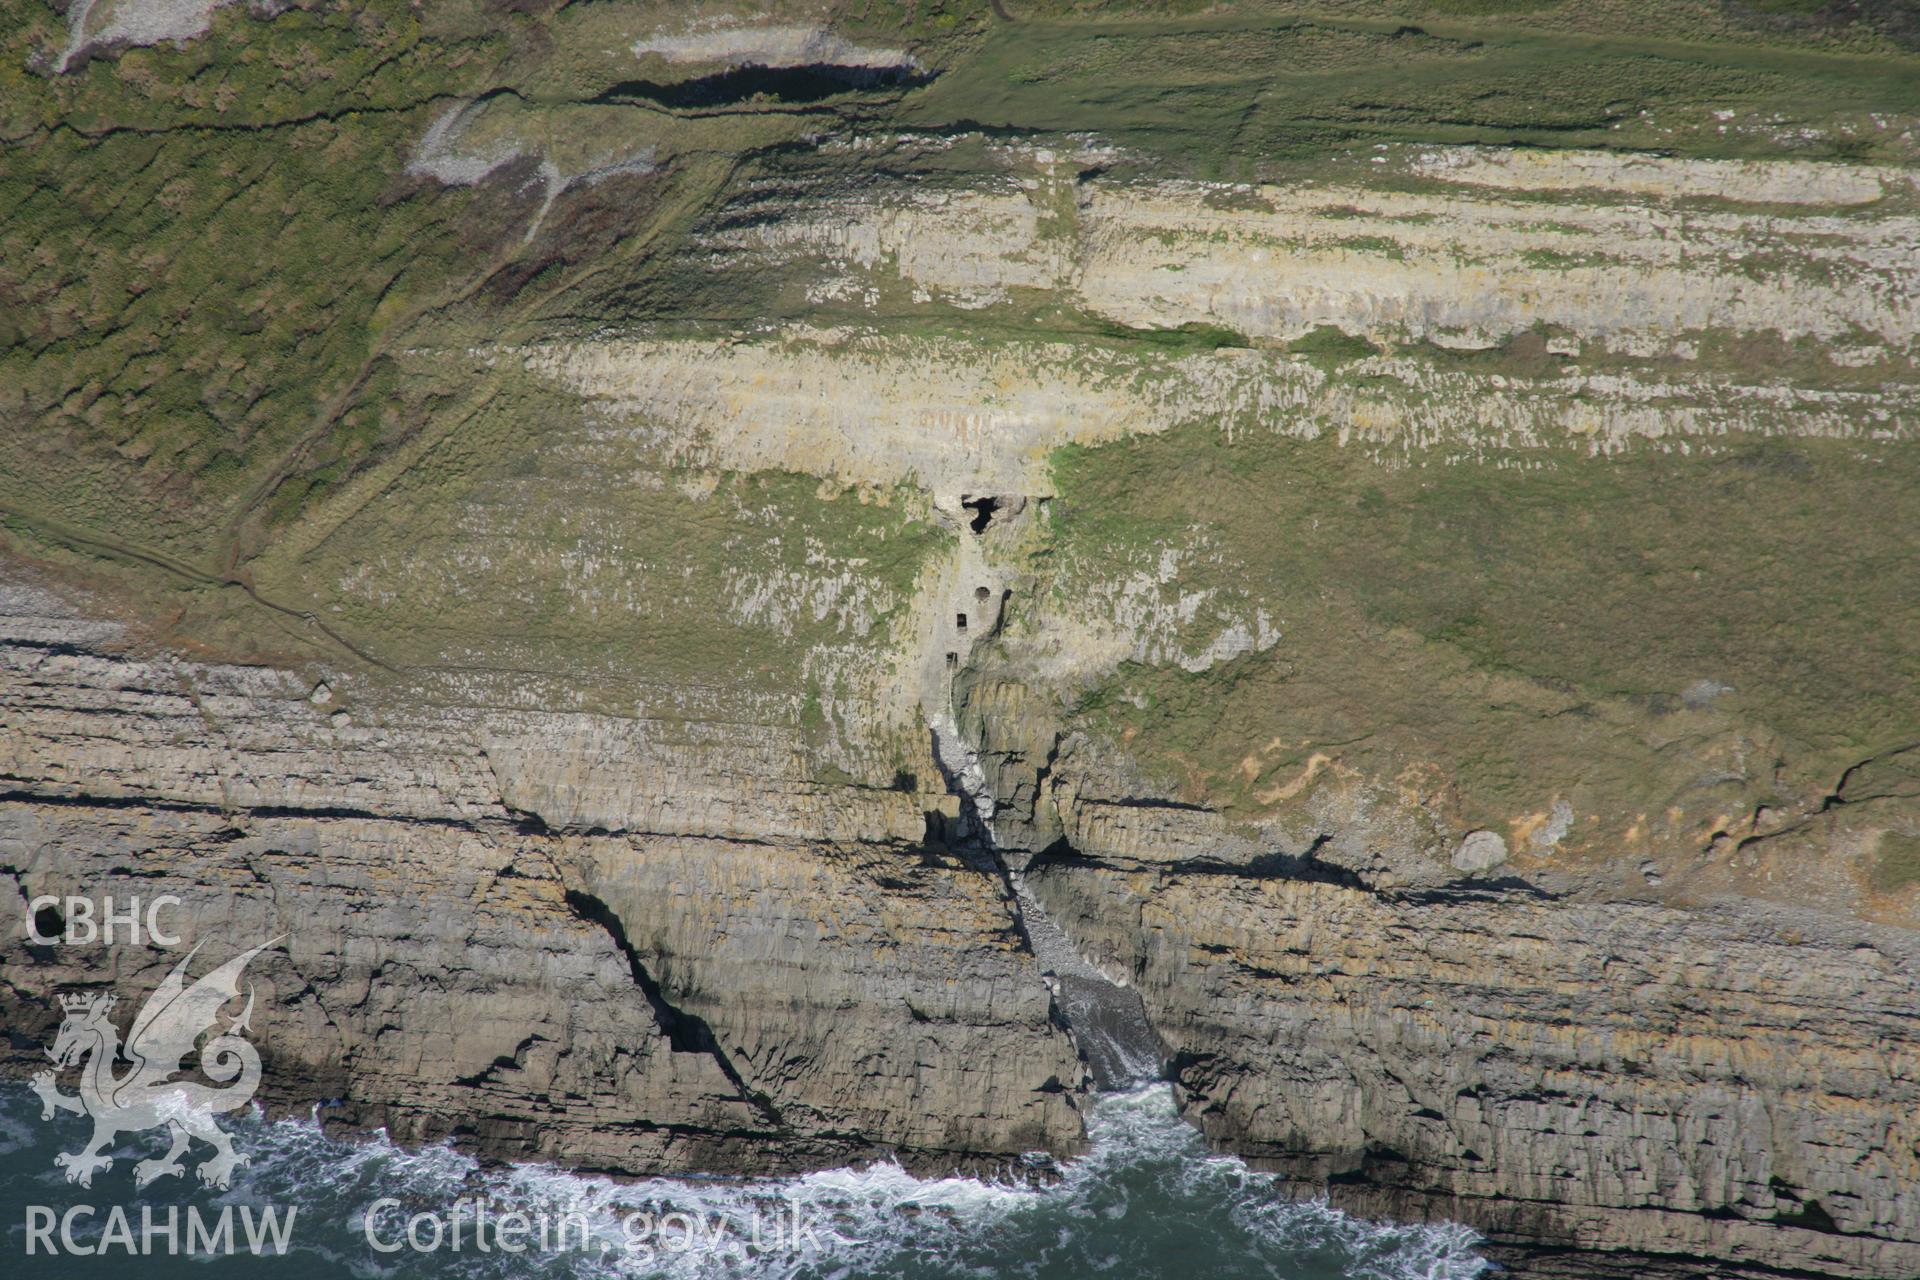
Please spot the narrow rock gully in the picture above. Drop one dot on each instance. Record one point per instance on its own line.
(1106, 1020)
(963, 608)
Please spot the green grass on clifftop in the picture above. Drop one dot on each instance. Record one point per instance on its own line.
(1535, 621)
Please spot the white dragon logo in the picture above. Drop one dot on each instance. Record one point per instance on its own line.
(165, 1031)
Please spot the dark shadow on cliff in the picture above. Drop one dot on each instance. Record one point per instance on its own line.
(794, 86)
(685, 1032)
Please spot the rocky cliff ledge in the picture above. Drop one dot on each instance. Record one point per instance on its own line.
(754, 587)
(640, 946)
(621, 944)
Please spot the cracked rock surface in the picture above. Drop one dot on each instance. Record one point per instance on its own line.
(793, 994)
(554, 978)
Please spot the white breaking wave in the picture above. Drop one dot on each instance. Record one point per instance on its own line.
(1147, 1200)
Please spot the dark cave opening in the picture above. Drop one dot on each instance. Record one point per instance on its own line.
(983, 510)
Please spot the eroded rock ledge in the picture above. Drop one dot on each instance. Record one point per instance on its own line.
(754, 970)
(748, 972)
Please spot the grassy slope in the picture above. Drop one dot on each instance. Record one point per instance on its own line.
(1228, 95)
(210, 257)
(1531, 632)
(516, 541)
(204, 249)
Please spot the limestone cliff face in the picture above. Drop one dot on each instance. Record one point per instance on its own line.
(489, 935)
(791, 623)
(1464, 247)
(1657, 1081)
(587, 959)
(1721, 1084)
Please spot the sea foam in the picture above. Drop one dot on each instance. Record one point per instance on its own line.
(1148, 1199)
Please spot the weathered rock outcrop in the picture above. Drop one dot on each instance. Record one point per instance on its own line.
(489, 935)
(592, 959)
(1732, 1084)
(755, 590)
(1541, 1056)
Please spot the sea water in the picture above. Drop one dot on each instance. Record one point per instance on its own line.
(1147, 1200)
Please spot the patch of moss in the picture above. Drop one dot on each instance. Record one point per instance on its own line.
(1187, 339)
(1329, 345)
(1896, 863)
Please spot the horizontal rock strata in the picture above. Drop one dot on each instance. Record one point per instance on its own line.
(492, 932)
(469, 951)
